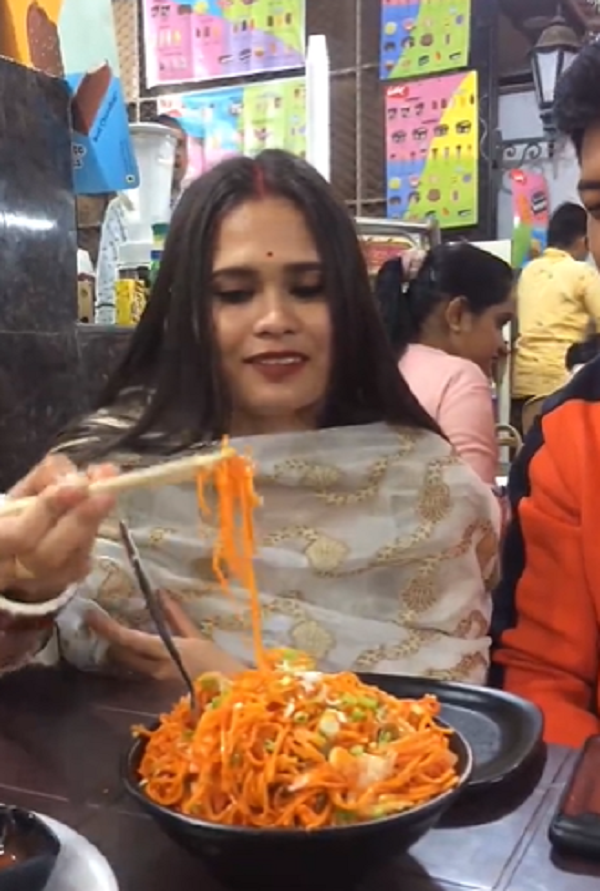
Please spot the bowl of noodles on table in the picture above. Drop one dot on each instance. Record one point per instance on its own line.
(286, 777)
(291, 777)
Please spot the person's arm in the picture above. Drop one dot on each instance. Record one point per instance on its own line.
(466, 416)
(112, 237)
(590, 290)
(551, 655)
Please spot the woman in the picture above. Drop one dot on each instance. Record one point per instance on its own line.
(446, 326)
(375, 543)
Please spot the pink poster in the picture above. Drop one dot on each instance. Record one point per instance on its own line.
(432, 149)
(215, 39)
(531, 202)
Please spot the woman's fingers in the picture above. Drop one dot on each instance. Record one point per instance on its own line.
(132, 650)
(121, 639)
(49, 472)
(177, 618)
(130, 661)
(73, 532)
(22, 534)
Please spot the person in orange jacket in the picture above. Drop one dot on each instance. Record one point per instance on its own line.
(547, 610)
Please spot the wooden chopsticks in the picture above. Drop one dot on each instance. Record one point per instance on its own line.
(171, 473)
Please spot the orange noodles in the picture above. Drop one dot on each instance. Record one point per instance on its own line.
(233, 480)
(296, 748)
(284, 745)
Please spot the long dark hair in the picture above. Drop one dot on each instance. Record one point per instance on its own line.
(173, 355)
(448, 271)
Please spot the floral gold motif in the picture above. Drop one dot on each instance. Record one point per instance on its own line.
(435, 499)
(310, 637)
(326, 555)
(470, 667)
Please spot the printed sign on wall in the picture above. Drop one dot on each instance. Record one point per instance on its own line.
(531, 214)
(432, 149)
(420, 37)
(240, 120)
(212, 39)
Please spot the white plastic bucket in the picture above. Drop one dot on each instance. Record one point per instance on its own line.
(154, 146)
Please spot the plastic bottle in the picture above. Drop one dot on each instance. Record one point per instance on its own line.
(133, 284)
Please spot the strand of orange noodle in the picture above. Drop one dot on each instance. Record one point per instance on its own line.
(235, 546)
(254, 765)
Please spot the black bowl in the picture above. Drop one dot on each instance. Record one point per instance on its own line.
(36, 846)
(335, 857)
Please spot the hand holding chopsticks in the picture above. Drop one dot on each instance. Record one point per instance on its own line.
(47, 547)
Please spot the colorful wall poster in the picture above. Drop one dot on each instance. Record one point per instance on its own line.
(274, 116)
(212, 120)
(213, 39)
(421, 37)
(531, 215)
(46, 34)
(432, 150)
(240, 120)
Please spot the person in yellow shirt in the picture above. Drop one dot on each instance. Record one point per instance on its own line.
(558, 301)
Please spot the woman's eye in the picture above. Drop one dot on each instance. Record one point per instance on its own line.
(233, 296)
(308, 292)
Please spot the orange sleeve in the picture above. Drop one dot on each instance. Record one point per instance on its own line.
(551, 656)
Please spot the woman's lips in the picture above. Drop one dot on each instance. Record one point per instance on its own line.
(278, 366)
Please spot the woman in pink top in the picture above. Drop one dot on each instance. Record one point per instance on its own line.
(447, 327)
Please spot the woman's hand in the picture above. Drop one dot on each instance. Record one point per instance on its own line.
(145, 654)
(47, 547)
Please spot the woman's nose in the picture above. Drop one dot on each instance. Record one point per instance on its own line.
(275, 316)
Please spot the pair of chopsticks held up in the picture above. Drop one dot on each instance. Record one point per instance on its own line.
(171, 473)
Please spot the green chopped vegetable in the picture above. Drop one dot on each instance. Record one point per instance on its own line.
(357, 750)
(368, 702)
(358, 714)
(379, 811)
(269, 745)
(210, 683)
(343, 818)
(388, 734)
(290, 655)
(348, 699)
(300, 718)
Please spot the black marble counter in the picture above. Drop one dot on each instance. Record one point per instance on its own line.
(101, 348)
(51, 369)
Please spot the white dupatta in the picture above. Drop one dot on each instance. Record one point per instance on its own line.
(376, 551)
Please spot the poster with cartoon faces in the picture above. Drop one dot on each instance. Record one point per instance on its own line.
(432, 150)
(199, 40)
(420, 37)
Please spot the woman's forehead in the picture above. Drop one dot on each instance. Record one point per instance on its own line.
(269, 228)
